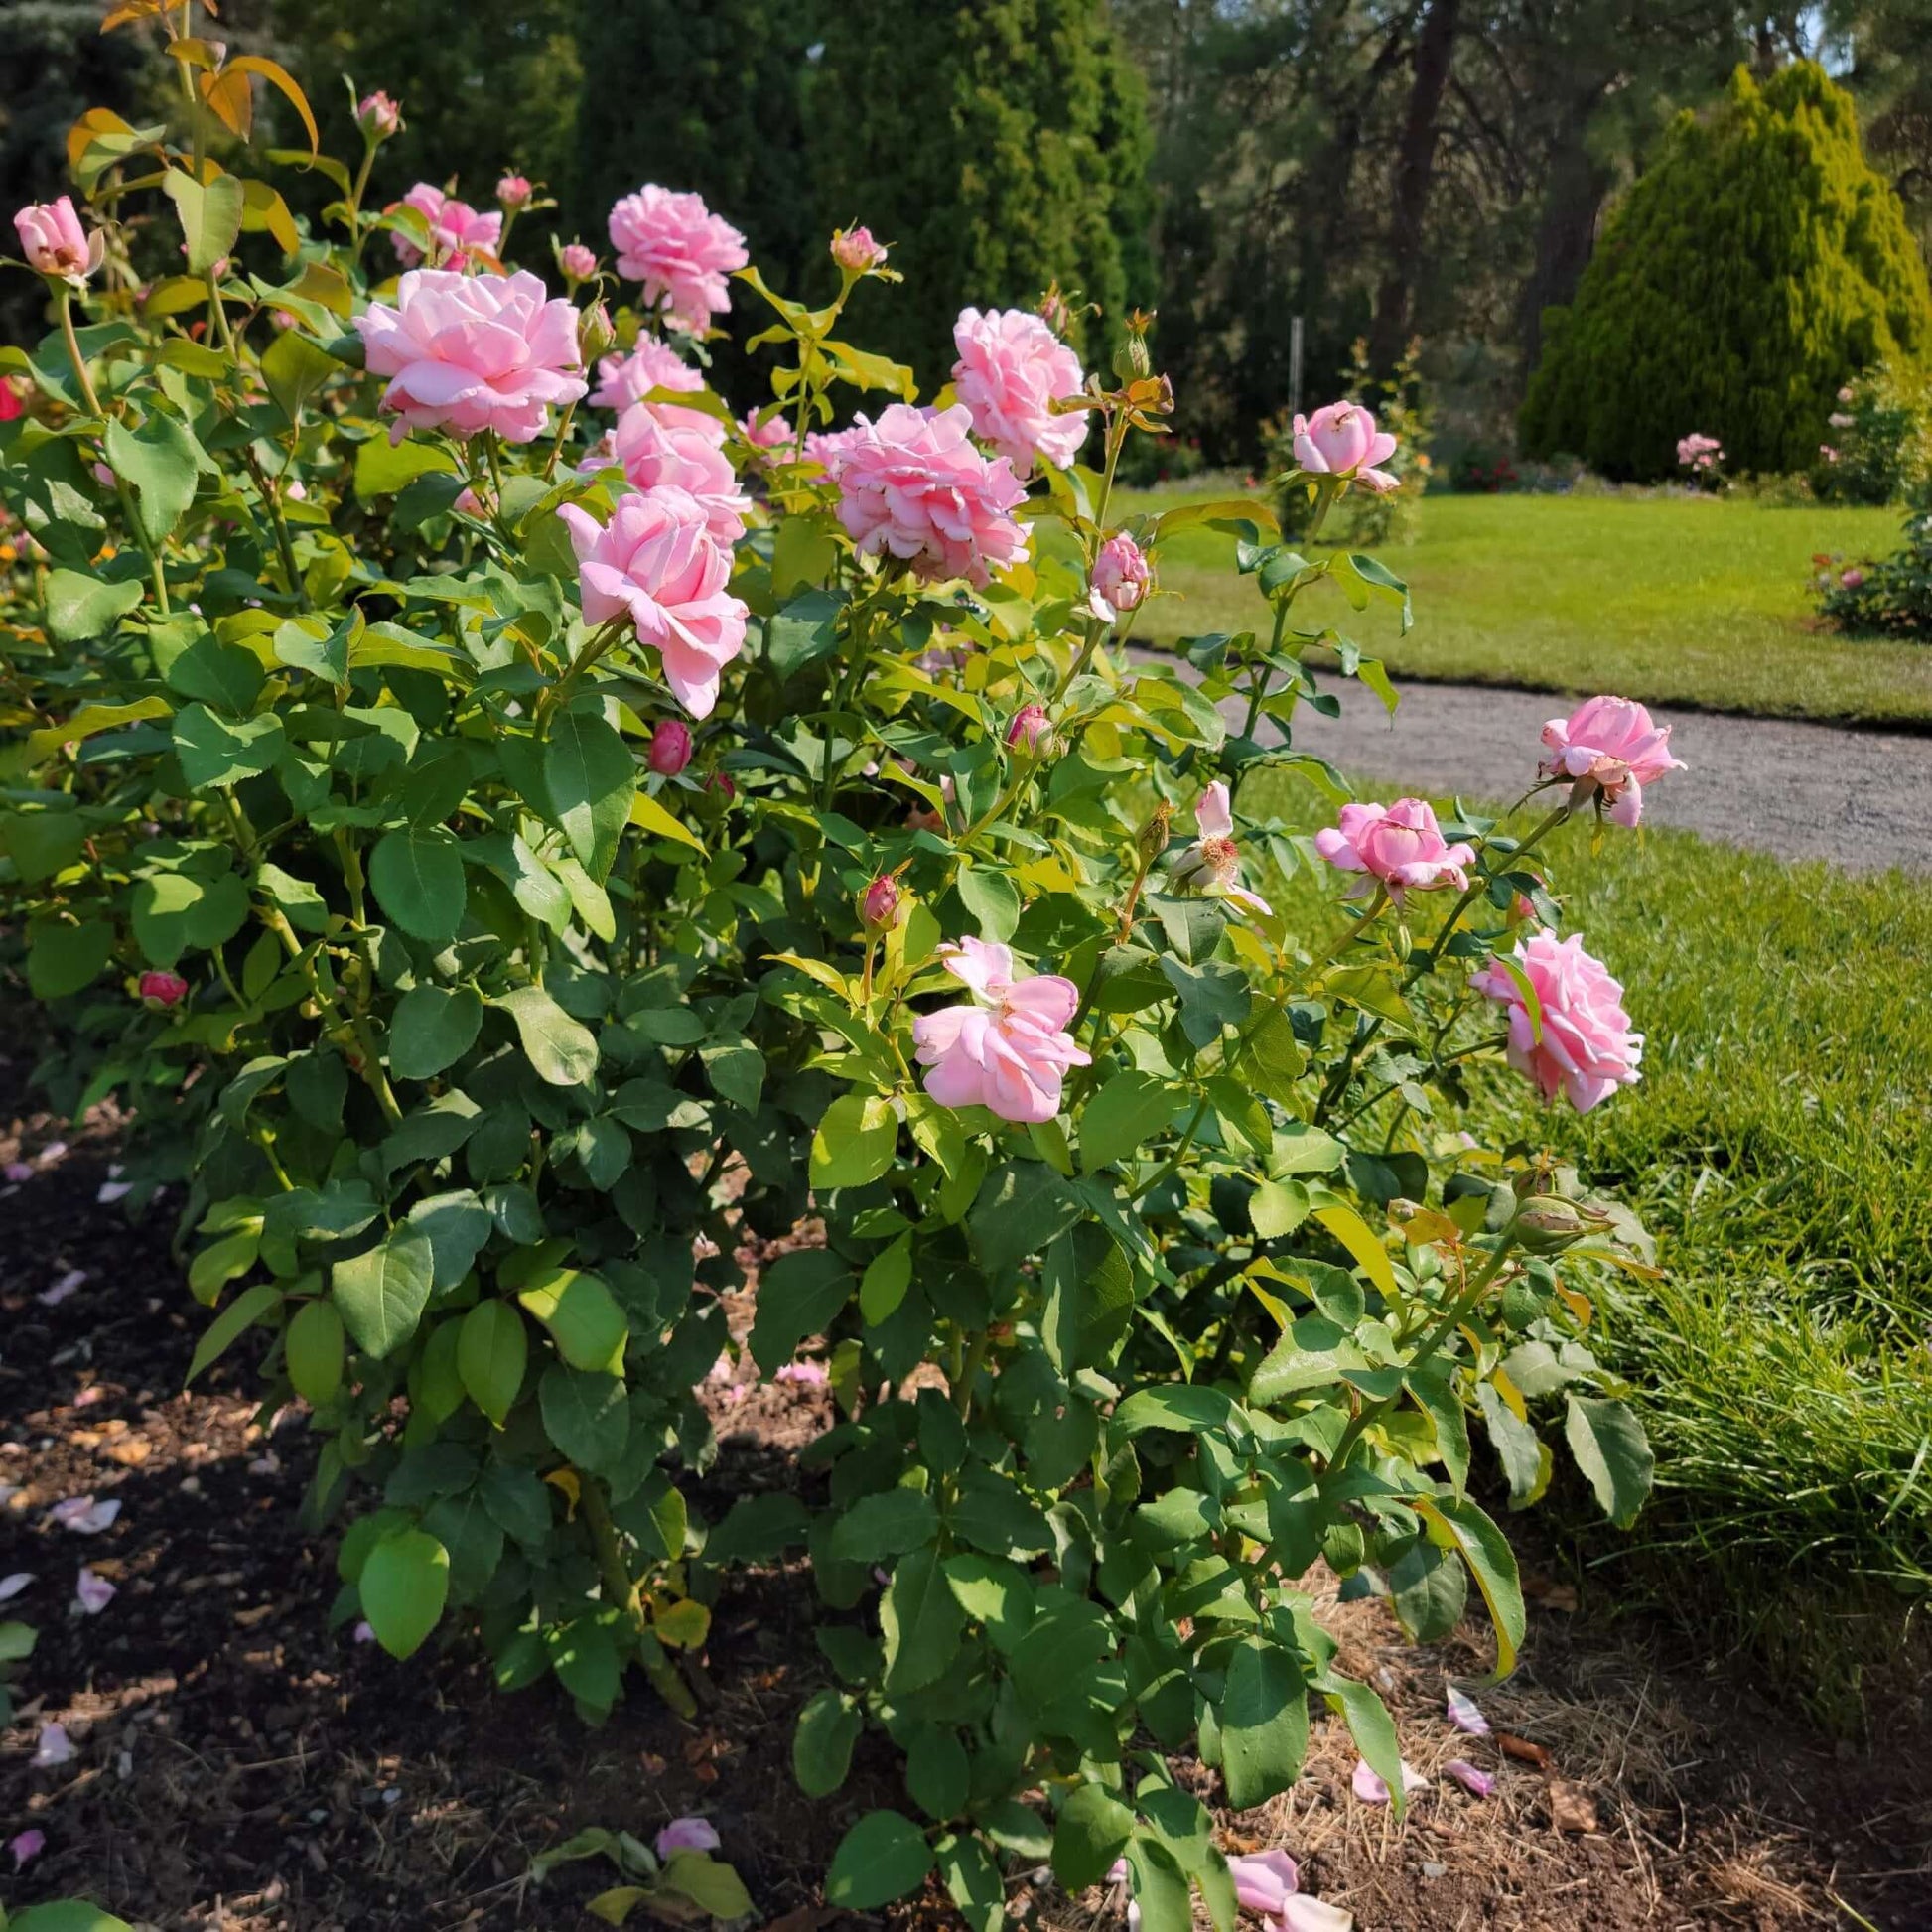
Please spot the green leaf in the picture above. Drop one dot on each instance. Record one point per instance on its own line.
(62, 959)
(992, 899)
(67, 1916)
(994, 1593)
(1211, 997)
(1020, 1210)
(1612, 1450)
(247, 1308)
(973, 1883)
(294, 369)
(81, 607)
(561, 1049)
(758, 1528)
(1273, 1062)
(1264, 1722)
(883, 1857)
(581, 1316)
(798, 1295)
(884, 1525)
(585, 1658)
(1523, 1457)
(211, 215)
(491, 1353)
(417, 876)
(887, 1276)
(821, 1747)
(1278, 1209)
(1373, 1730)
(921, 1620)
(1122, 1115)
(432, 1029)
(382, 1295)
(313, 1349)
(588, 1416)
(1092, 1831)
(403, 1587)
(591, 778)
(855, 1141)
(1456, 1523)
(215, 751)
(708, 1882)
(160, 460)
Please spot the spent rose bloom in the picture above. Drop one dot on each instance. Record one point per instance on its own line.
(514, 192)
(623, 381)
(1011, 369)
(911, 485)
(670, 746)
(378, 116)
(54, 241)
(578, 263)
(687, 1835)
(1029, 730)
(678, 249)
(457, 232)
(658, 562)
(1006, 1048)
(855, 250)
(1340, 440)
(655, 455)
(1212, 864)
(1120, 578)
(1579, 1042)
(1399, 844)
(471, 353)
(1609, 746)
(162, 989)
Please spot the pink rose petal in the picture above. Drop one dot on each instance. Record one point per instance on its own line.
(1478, 1784)
(93, 1594)
(1370, 1789)
(55, 1746)
(687, 1835)
(1305, 1915)
(51, 1298)
(26, 1845)
(808, 1375)
(1465, 1715)
(83, 1515)
(11, 1587)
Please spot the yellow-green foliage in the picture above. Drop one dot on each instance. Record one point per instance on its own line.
(1759, 265)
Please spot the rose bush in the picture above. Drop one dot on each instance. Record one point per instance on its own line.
(509, 897)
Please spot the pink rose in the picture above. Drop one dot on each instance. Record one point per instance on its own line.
(1029, 730)
(678, 249)
(1828, 453)
(163, 989)
(770, 436)
(1399, 844)
(880, 905)
(514, 192)
(55, 243)
(1120, 578)
(805, 1375)
(687, 1835)
(623, 381)
(1579, 1041)
(457, 231)
(1697, 452)
(378, 116)
(578, 263)
(1852, 578)
(1007, 1047)
(1610, 746)
(911, 485)
(855, 250)
(1838, 419)
(1212, 864)
(472, 353)
(655, 455)
(1011, 368)
(1340, 440)
(658, 562)
(671, 748)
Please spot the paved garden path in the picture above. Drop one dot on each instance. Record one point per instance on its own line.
(1860, 800)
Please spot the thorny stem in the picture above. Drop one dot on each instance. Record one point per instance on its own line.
(622, 1592)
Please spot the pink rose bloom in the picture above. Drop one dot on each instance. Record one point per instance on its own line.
(1838, 419)
(768, 432)
(577, 261)
(515, 190)
(1852, 578)
(378, 116)
(1008, 1047)
(623, 381)
(55, 243)
(469, 353)
(1696, 452)
(1212, 864)
(911, 485)
(855, 250)
(1011, 368)
(1340, 440)
(678, 249)
(655, 455)
(1120, 578)
(1583, 1047)
(658, 562)
(807, 1375)
(671, 748)
(1399, 844)
(163, 989)
(1828, 453)
(457, 231)
(1609, 744)
(687, 1835)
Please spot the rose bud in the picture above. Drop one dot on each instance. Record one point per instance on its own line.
(578, 263)
(54, 241)
(597, 336)
(378, 116)
(514, 192)
(671, 748)
(1029, 730)
(880, 905)
(161, 990)
(855, 250)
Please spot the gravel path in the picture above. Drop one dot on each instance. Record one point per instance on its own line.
(1856, 798)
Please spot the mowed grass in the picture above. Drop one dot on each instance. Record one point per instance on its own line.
(1675, 600)
(1779, 1147)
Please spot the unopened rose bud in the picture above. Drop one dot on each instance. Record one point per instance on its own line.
(596, 335)
(671, 748)
(378, 116)
(1153, 834)
(720, 784)
(1132, 362)
(1029, 730)
(1055, 311)
(578, 263)
(880, 905)
(855, 250)
(514, 192)
(1120, 577)
(161, 990)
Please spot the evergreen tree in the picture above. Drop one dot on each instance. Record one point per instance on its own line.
(1759, 265)
(996, 146)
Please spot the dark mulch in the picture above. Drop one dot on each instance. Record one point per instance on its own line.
(240, 1766)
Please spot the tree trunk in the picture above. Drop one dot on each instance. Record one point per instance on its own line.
(1576, 182)
(1415, 173)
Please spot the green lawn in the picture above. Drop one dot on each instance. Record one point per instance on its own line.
(1672, 600)
(1779, 1146)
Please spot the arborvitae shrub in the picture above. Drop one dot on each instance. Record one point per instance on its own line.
(1757, 267)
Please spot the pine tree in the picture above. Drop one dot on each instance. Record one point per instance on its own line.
(996, 146)
(1759, 265)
